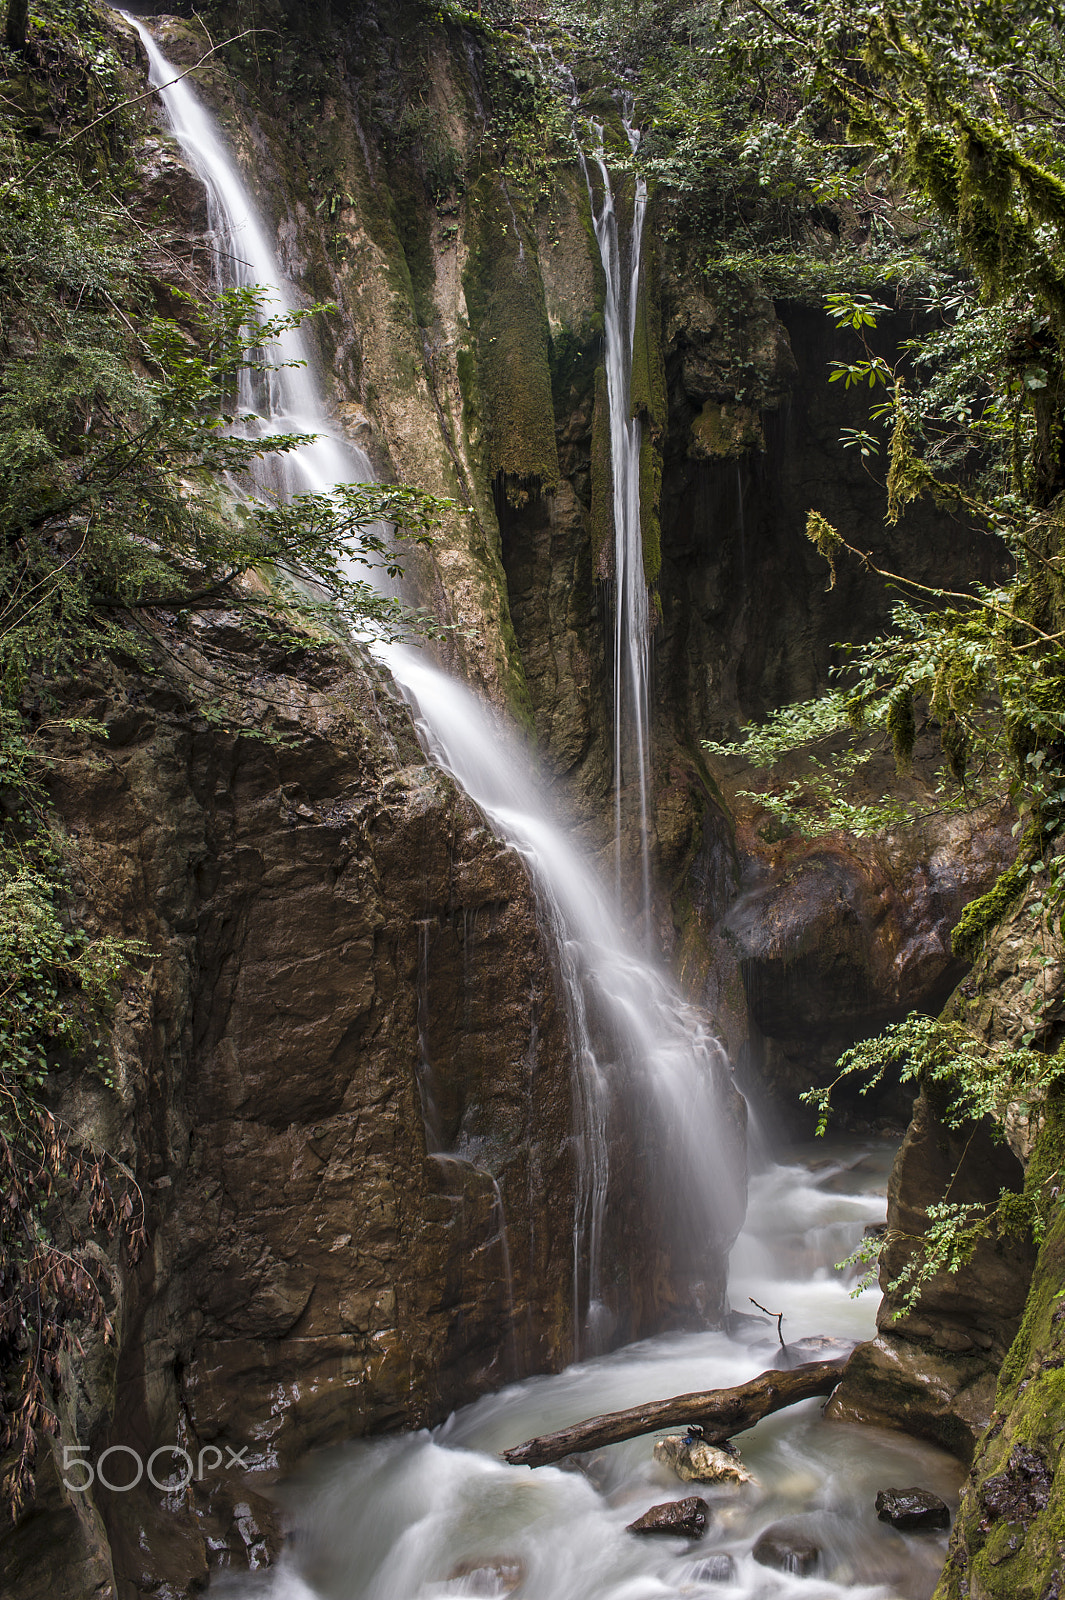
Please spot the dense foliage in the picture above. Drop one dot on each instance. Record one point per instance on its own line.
(956, 111)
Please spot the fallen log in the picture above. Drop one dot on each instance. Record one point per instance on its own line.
(720, 1413)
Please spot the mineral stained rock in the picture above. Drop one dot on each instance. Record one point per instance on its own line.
(694, 1461)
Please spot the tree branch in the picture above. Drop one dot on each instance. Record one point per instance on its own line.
(719, 1412)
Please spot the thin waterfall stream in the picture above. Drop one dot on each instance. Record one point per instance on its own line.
(632, 631)
(419, 1516)
(632, 620)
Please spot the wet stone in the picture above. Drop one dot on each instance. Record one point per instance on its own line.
(715, 1569)
(486, 1579)
(910, 1509)
(787, 1551)
(684, 1519)
(695, 1461)
(822, 1347)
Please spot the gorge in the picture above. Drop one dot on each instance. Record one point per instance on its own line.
(416, 1064)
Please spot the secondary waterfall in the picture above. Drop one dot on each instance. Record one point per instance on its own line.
(631, 660)
(632, 630)
(644, 1058)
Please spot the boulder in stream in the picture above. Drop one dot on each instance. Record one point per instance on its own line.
(910, 1509)
(695, 1461)
(787, 1549)
(684, 1519)
(715, 1569)
(488, 1578)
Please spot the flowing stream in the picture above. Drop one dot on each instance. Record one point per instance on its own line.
(431, 1515)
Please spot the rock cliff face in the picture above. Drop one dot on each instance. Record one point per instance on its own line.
(1009, 1537)
(341, 957)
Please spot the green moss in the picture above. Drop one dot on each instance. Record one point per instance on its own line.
(573, 358)
(414, 219)
(466, 365)
(984, 913)
(650, 497)
(505, 300)
(602, 489)
(584, 211)
(726, 430)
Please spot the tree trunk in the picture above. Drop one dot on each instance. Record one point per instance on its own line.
(18, 16)
(719, 1412)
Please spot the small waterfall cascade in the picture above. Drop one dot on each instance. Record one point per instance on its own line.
(285, 399)
(640, 1050)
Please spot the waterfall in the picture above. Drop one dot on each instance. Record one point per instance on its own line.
(631, 658)
(632, 632)
(634, 1039)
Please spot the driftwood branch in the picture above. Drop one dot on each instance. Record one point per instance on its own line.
(779, 1316)
(720, 1413)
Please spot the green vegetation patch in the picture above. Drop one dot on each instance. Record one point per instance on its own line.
(602, 488)
(726, 430)
(986, 912)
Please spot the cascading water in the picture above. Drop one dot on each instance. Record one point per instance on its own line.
(640, 1049)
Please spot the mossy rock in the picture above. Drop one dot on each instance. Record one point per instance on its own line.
(725, 430)
(505, 301)
(1009, 1538)
(649, 397)
(602, 482)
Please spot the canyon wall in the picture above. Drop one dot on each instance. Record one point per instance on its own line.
(342, 956)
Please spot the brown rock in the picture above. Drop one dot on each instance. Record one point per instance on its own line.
(335, 935)
(684, 1519)
(787, 1549)
(910, 1509)
(932, 1370)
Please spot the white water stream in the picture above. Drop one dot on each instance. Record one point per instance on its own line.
(421, 1517)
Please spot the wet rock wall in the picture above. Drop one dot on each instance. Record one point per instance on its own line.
(346, 981)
